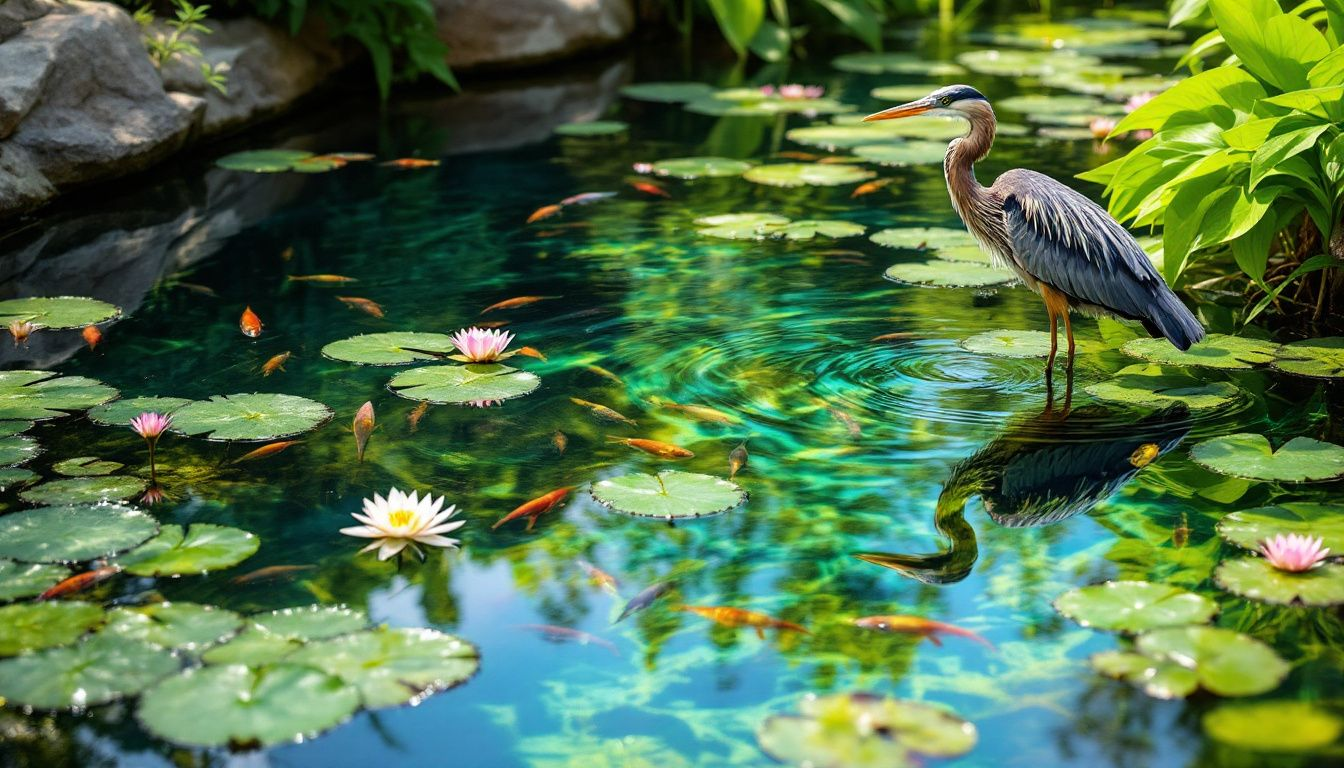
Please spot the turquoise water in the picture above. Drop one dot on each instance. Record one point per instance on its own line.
(852, 442)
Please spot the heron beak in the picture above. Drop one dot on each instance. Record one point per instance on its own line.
(904, 110)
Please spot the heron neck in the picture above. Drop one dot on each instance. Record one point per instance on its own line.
(962, 155)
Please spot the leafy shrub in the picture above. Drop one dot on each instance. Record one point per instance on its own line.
(176, 38)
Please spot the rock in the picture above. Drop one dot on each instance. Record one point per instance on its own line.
(493, 33)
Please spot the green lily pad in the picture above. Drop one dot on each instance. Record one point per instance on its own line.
(920, 238)
(948, 274)
(1037, 104)
(864, 730)
(1154, 386)
(667, 93)
(1248, 456)
(462, 384)
(1006, 63)
(1247, 528)
(14, 477)
(184, 626)
(806, 229)
(806, 174)
(1134, 606)
(700, 167)
(1227, 663)
(1215, 351)
(1159, 679)
(86, 466)
(246, 707)
(1273, 726)
(1256, 579)
(1317, 358)
(870, 63)
(395, 348)
(73, 533)
(250, 417)
(1065, 133)
(1018, 344)
(202, 547)
(833, 137)
(391, 667)
(263, 160)
(747, 102)
(760, 226)
(903, 153)
(33, 626)
(972, 253)
(20, 580)
(58, 313)
(270, 637)
(11, 428)
(903, 93)
(253, 646)
(927, 127)
(119, 413)
(18, 449)
(83, 490)
(41, 395)
(592, 128)
(668, 495)
(101, 669)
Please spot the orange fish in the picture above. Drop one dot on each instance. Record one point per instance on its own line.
(276, 363)
(411, 162)
(535, 508)
(416, 415)
(346, 157)
(737, 459)
(917, 625)
(599, 576)
(80, 582)
(531, 352)
(250, 324)
(515, 302)
(561, 441)
(654, 447)
(544, 212)
(650, 188)
(603, 412)
(321, 279)
(898, 336)
(740, 617)
(269, 449)
(288, 253)
(792, 155)
(363, 305)
(604, 373)
(492, 323)
(851, 423)
(700, 412)
(21, 330)
(363, 427)
(868, 188)
(568, 633)
(270, 572)
(1144, 455)
(92, 336)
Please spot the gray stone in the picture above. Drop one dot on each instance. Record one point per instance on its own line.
(492, 33)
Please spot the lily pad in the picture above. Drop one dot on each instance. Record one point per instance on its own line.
(184, 626)
(263, 160)
(700, 167)
(1066, 133)
(864, 730)
(18, 449)
(1018, 344)
(73, 533)
(14, 477)
(202, 547)
(1317, 358)
(806, 174)
(83, 490)
(1247, 528)
(971, 253)
(391, 667)
(1248, 456)
(460, 384)
(41, 395)
(747, 102)
(86, 466)
(592, 128)
(1215, 351)
(903, 153)
(119, 413)
(1008, 63)
(1274, 726)
(246, 707)
(668, 92)
(396, 348)
(1225, 662)
(250, 417)
(760, 226)
(1256, 579)
(20, 580)
(921, 238)
(668, 495)
(948, 274)
(101, 669)
(834, 137)
(1154, 386)
(57, 313)
(1037, 104)
(271, 637)
(34, 626)
(927, 127)
(1159, 679)
(11, 428)
(1134, 606)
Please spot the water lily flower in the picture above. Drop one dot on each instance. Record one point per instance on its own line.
(642, 167)
(1101, 127)
(401, 521)
(153, 495)
(1294, 553)
(479, 345)
(1138, 100)
(21, 330)
(794, 91)
(151, 426)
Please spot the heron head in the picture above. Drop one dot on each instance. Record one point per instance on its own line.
(949, 101)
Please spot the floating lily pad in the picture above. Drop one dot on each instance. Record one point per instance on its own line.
(1007, 63)
(101, 669)
(971, 253)
(864, 731)
(119, 413)
(1247, 528)
(86, 466)
(834, 137)
(1018, 344)
(700, 167)
(396, 348)
(184, 626)
(73, 533)
(1317, 358)
(1225, 662)
(1157, 678)
(460, 384)
(806, 174)
(746, 102)
(1134, 606)
(270, 637)
(14, 477)
(1274, 726)
(263, 160)
(83, 490)
(592, 128)
(759, 226)
(18, 449)
(903, 93)
(920, 238)
(667, 93)
(41, 395)
(1154, 386)
(391, 667)
(246, 707)
(34, 626)
(1256, 579)
(948, 274)
(668, 495)
(923, 127)
(1037, 104)
(903, 153)
(11, 428)
(870, 63)
(806, 229)
(1248, 456)
(253, 646)
(57, 313)
(1065, 133)
(1214, 351)
(250, 417)
(202, 547)
(20, 580)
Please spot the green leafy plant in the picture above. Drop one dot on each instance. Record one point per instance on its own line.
(176, 38)
(770, 29)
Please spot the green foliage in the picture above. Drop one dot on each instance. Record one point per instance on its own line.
(176, 38)
(747, 27)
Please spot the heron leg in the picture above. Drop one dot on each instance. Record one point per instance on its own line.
(1068, 333)
(1054, 341)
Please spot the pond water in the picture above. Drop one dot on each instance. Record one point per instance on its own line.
(870, 430)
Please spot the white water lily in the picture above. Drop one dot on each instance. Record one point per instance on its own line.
(403, 520)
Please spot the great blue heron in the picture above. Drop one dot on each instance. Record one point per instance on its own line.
(1062, 245)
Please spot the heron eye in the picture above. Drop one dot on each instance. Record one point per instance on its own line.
(946, 100)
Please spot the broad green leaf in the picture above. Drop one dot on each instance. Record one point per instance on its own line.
(871, 63)
(1226, 663)
(83, 490)
(1185, 101)
(1006, 343)
(903, 93)
(1329, 70)
(739, 226)
(14, 477)
(738, 21)
(1155, 386)
(1273, 726)
(1037, 104)
(41, 395)
(592, 128)
(1186, 10)
(863, 730)
(86, 466)
(395, 348)
(1317, 358)
(200, 548)
(119, 413)
(1134, 606)
(1326, 103)
(668, 495)
(668, 93)
(18, 449)
(772, 42)
(903, 153)
(34, 626)
(1255, 579)
(1276, 47)
(101, 669)
(182, 626)
(270, 637)
(948, 274)
(1249, 456)
(1215, 351)
(1009, 63)
(73, 533)
(250, 417)
(263, 160)
(1279, 148)
(463, 384)
(391, 667)
(859, 17)
(58, 312)
(806, 174)
(20, 580)
(1248, 528)
(700, 167)
(920, 238)
(1159, 679)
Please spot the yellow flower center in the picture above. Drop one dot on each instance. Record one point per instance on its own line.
(400, 518)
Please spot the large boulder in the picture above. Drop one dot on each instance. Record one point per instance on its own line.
(505, 34)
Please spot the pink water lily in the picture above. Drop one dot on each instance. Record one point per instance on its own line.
(404, 520)
(1101, 127)
(793, 91)
(1294, 553)
(1138, 100)
(151, 426)
(479, 345)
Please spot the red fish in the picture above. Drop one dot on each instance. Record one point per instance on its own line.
(411, 162)
(535, 508)
(544, 212)
(250, 324)
(346, 157)
(276, 363)
(870, 187)
(898, 336)
(851, 423)
(568, 633)
(363, 427)
(515, 302)
(650, 188)
(917, 625)
(80, 582)
(271, 572)
(270, 449)
(740, 617)
(321, 279)
(92, 336)
(531, 352)
(364, 305)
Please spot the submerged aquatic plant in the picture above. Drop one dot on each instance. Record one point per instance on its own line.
(403, 520)
(1294, 552)
(151, 426)
(479, 345)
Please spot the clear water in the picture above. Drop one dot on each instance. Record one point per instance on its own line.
(775, 333)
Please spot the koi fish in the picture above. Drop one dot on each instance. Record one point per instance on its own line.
(80, 582)
(868, 188)
(285, 255)
(515, 302)
(792, 155)
(1144, 455)
(700, 412)
(917, 625)
(599, 576)
(348, 157)
(840, 253)
(653, 447)
(740, 617)
(1180, 535)
(544, 212)
(364, 305)
(650, 188)
(604, 373)
(535, 508)
(276, 363)
(321, 279)
(250, 324)
(271, 572)
(411, 162)
(492, 323)
(586, 197)
(737, 459)
(898, 336)
(644, 599)
(92, 336)
(561, 441)
(270, 449)
(413, 419)
(851, 423)
(362, 427)
(568, 633)
(603, 412)
(531, 352)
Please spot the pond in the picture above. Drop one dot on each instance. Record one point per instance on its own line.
(903, 457)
